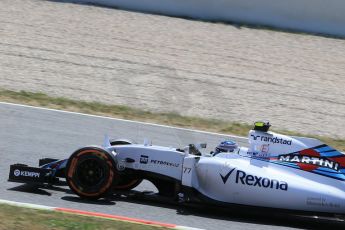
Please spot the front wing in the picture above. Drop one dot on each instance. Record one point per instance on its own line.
(25, 174)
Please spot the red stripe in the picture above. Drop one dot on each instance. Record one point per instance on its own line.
(123, 218)
(310, 152)
(340, 160)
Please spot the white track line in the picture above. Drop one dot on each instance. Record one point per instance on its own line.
(26, 205)
(118, 119)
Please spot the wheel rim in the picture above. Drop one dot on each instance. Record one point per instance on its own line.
(90, 172)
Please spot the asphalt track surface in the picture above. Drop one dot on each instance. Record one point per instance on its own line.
(168, 64)
(28, 134)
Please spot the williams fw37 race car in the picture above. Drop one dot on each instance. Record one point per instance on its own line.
(275, 171)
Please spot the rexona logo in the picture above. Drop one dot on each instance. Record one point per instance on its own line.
(251, 180)
(17, 173)
(274, 140)
(317, 161)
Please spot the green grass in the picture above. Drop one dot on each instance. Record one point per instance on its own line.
(13, 217)
(125, 112)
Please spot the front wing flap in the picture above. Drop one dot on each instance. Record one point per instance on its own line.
(25, 174)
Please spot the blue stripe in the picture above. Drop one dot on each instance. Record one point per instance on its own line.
(331, 154)
(339, 175)
(324, 149)
(286, 164)
(334, 176)
(327, 170)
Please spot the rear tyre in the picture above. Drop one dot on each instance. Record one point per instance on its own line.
(91, 172)
(126, 183)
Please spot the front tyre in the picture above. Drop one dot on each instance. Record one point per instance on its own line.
(90, 172)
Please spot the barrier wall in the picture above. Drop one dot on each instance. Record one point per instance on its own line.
(320, 16)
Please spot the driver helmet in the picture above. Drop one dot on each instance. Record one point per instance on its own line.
(226, 146)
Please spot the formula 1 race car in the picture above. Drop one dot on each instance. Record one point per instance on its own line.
(275, 171)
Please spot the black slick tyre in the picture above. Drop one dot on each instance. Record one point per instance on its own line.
(91, 172)
(127, 183)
